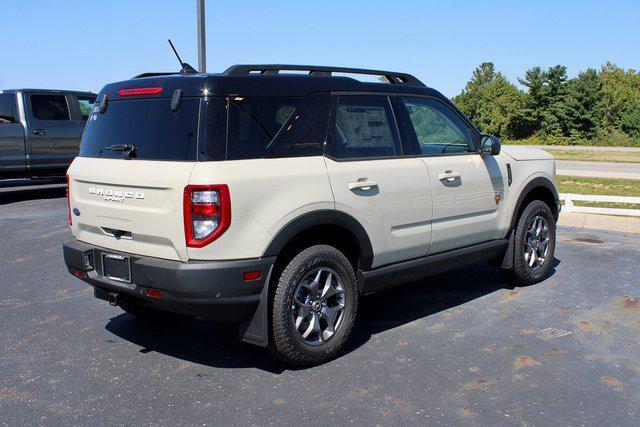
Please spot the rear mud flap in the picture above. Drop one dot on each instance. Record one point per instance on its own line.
(507, 260)
(256, 330)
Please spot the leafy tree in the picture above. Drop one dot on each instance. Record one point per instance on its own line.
(584, 107)
(534, 80)
(621, 99)
(601, 106)
(630, 121)
(492, 102)
(554, 121)
(483, 74)
(546, 107)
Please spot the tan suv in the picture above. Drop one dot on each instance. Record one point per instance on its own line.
(275, 200)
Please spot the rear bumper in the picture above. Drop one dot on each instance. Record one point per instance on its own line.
(211, 289)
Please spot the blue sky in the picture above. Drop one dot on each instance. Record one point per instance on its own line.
(85, 44)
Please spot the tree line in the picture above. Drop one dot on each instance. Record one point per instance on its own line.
(597, 107)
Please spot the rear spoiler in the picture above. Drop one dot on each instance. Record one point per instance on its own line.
(143, 75)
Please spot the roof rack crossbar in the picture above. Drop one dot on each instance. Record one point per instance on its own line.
(319, 70)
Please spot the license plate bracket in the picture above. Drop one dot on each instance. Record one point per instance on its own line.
(116, 267)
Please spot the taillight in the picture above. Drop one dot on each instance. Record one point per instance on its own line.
(207, 213)
(68, 201)
(137, 91)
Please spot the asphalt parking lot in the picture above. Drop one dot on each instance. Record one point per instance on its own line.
(461, 348)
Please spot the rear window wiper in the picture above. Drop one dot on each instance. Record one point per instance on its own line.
(130, 149)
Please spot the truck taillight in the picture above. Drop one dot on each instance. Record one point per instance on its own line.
(207, 213)
(68, 201)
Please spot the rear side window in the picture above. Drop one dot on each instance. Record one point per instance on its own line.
(264, 127)
(438, 129)
(149, 125)
(305, 132)
(85, 104)
(8, 113)
(364, 128)
(50, 107)
(253, 124)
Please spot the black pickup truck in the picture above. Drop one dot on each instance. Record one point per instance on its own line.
(40, 130)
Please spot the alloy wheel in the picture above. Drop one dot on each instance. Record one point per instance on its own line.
(536, 242)
(318, 306)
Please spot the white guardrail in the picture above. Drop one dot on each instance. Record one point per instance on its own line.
(568, 205)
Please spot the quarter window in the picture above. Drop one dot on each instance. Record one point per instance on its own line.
(85, 104)
(364, 128)
(253, 123)
(261, 127)
(49, 107)
(438, 129)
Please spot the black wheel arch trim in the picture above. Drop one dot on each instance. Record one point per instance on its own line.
(323, 217)
(531, 185)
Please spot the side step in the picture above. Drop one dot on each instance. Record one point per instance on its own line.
(408, 271)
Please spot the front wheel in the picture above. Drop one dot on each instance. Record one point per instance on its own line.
(534, 244)
(314, 306)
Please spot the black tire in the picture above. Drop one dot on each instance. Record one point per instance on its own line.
(288, 344)
(522, 273)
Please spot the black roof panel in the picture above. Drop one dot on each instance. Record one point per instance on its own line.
(237, 81)
(299, 85)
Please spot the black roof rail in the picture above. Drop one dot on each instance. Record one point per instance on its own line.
(319, 70)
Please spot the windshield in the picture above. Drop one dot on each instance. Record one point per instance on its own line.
(147, 129)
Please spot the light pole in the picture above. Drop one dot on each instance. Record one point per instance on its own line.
(202, 38)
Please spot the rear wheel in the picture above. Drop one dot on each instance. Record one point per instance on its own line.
(534, 244)
(314, 306)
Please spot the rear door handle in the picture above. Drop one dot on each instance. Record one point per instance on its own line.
(39, 131)
(363, 185)
(449, 175)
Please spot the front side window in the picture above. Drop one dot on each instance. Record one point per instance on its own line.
(50, 107)
(85, 104)
(364, 128)
(438, 129)
(7, 108)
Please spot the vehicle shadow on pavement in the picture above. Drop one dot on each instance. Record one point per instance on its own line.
(404, 304)
(203, 342)
(22, 194)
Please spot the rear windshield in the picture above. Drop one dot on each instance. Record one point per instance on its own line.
(149, 125)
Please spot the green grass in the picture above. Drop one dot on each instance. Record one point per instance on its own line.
(596, 156)
(610, 138)
(600, 186)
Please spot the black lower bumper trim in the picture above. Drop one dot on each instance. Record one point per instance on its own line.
(211, 289)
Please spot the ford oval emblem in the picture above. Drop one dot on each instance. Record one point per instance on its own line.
(76, 211)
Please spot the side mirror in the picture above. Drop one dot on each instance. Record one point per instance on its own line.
(489, 145)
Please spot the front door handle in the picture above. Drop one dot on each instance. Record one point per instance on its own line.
(363, 185)
(39, 131)
(449, 175)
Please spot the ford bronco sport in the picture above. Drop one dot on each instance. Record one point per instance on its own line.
(276, 199)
